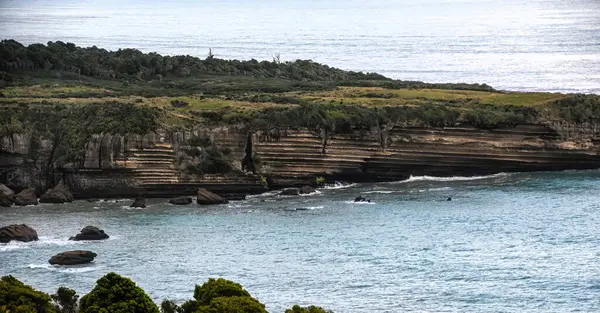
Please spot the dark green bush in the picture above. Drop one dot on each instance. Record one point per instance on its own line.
(116, 294)
(308, 309)
(222, 296)
(65, 300)
(20, 298)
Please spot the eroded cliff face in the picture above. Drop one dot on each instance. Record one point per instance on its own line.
(153, 165)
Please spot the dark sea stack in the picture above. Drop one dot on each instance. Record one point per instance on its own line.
(139, 203)
(7, 192)
(206, 197)
(59, 194)
(181, 200)
(74, 257)
(306, 190)
(290, 192)
(17, 232)
(90, 233)
(26, 197)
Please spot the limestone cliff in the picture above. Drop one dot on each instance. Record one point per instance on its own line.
(152, 165)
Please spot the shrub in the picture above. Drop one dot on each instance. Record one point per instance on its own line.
(65, 300)
(116, 294)
(20, 298)
(308, 309)
(222, 296)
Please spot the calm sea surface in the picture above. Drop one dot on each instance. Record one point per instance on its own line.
(549, 45)
(505, 243)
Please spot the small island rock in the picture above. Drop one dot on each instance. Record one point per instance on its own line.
(59, 194)
(139, 203)
(290, 192)
(26, 197)
(90, 233)
(72, 258)
(206, 197)
(17, 232)
(306, 190)
(181, 200)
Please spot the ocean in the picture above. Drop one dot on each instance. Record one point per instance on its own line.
(534, 45)
(505, 243)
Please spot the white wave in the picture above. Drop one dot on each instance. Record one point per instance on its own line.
(316, 192)
(447, 179)
(265, 194)
(313, 207)
(14, 245)
(360, 202)
(339, 185)
(114, 200)
(64, 269)
(379, 191)
(440, 189)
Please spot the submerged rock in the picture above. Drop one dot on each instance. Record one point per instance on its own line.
(206, 197)
(139, 203)
(306, 190)
(181, 200)
(17, 232)
(59, 194)
(26, 197)
(73, 257)
(290, 192)
(90, 233)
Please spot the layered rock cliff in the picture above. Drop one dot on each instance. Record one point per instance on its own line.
(151, 165)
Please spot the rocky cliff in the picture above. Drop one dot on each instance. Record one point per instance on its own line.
(152, 165)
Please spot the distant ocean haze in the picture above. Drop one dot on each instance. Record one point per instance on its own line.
(538, 45)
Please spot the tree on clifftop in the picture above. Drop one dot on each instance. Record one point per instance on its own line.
(117, 294)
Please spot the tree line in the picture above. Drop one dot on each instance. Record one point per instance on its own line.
(114, 293)
(128, 63)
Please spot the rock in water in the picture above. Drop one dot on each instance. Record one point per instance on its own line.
(306, 190)
(5, 201)
(73, 257)
(290, 192)
(206, 197)
(139, 203)
(90, 233)
(7, 192)
(17, 232)
(181, 200)
(26, 197)
(59, 194)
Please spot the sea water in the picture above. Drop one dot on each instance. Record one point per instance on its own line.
(504, 243)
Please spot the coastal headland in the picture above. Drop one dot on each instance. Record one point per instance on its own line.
(127, 124)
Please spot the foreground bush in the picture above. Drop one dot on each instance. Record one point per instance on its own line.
(116, 294)
(217, 296)
(65, 300)
(308, 309)
(20, 298)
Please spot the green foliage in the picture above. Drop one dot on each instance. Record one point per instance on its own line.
(320, 180)
(168, 306)
(308, 309)
(579, 108)
(132, 64)
(222, 296)
(116, 294)
(65, 300)
(211, 160)
(20, 298)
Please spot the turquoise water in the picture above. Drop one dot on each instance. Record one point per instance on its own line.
(511, 44)
(505, 243)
